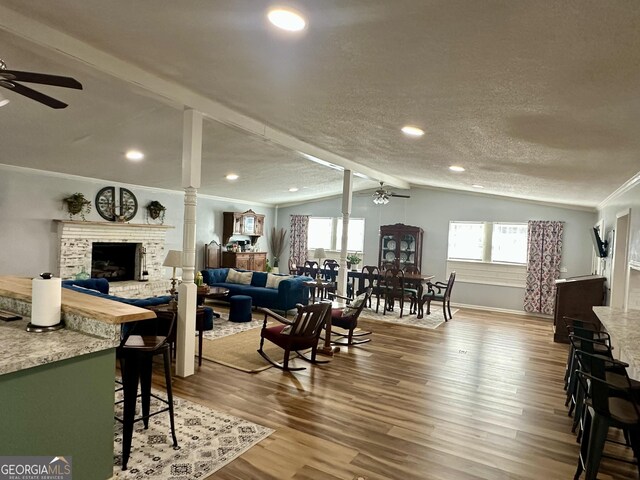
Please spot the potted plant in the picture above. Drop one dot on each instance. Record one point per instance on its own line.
(77, 204)
(276, 244)
(156, 211)
(353, 259)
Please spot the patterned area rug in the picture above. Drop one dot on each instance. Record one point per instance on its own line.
(207, 441)
(434, 320)
(222, 327)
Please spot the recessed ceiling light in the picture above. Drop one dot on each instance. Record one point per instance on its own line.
(477, 186)
(294, 189)
(286, 19)
(3, 100)
(134, 155)
(456, 168)
(412, 131)
(232, 176)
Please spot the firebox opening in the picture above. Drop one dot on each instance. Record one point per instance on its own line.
(114, 261)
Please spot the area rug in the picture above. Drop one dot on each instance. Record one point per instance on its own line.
(432, 321)
(207, 441)
(222, 327)
(240, 351)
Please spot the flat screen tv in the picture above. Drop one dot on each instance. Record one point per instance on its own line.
(599, 245)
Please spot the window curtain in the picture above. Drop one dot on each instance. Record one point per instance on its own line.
(298, 238)
(543, 266)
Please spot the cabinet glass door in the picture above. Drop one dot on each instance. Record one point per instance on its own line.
(389, 249)
(407, 250)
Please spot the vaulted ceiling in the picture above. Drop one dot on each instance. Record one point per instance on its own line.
(537, 100)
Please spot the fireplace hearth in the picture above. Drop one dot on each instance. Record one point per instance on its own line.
(114, 261)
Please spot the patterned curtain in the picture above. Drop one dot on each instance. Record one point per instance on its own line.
(543, 266)
(298, 237)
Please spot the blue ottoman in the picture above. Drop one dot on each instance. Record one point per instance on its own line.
(240, 308)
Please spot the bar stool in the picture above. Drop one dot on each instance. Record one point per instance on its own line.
(136, 354)
(607, 406)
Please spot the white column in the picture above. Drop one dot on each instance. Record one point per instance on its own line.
(347, 195)
(191, 161)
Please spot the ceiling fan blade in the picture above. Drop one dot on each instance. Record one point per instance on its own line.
(32, 94)
(43, 78)
(400, 196)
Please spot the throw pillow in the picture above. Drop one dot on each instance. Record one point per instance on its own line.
(273, 281)
(241, 278)
(354, 305)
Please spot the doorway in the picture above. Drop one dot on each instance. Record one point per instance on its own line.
(620, 251)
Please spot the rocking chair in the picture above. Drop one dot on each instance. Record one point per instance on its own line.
(347, 318)
(300, 334)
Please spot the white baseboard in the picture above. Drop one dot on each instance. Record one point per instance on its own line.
(502, 310)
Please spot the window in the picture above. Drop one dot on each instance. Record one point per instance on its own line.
(319, 235)
(488, 242)
(509, 243)
(466, 241)
(355, 242)
(326, 232)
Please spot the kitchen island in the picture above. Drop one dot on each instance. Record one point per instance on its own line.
(624, 328)
(57, 388)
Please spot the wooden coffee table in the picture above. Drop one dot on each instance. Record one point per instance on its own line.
(211, 292)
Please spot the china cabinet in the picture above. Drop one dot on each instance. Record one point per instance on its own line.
(400, 246)
(247, 223)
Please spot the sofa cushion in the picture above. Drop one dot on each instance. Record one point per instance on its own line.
(273, 280)
(259, 279)
(241, 278)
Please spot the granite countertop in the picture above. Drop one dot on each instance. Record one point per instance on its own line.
(22, 349)
(624, 328)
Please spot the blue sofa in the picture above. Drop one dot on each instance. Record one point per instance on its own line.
(289, 293)
(99, 287)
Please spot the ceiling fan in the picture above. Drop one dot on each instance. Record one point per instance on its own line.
(381, 196)
(10, 79)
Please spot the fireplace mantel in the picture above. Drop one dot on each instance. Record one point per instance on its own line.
(87, 224)
(78, 237)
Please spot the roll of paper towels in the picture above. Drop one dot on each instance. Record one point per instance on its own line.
(46, 298)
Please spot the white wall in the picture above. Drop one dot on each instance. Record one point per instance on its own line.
(432, 210)
(30, 200)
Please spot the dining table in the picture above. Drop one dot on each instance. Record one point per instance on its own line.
(412, 280)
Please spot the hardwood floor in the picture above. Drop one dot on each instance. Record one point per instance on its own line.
(478, 398)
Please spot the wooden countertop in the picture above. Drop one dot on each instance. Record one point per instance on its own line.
(105, 310)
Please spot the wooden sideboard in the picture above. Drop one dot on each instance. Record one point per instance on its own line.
(576, 297)
(245, 260)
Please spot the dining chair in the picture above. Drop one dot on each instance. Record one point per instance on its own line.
(371, 279)
(443, 294)
(394, 288)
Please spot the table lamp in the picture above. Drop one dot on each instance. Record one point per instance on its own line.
(173, 259)
(319, 254)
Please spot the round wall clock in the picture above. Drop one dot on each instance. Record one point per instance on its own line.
(106, 203)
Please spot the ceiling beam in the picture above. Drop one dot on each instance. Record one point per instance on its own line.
(170, 92)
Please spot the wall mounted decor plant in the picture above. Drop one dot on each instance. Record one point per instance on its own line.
(156, 211)
(77, 204)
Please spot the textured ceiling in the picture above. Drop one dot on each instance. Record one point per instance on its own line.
(537, 99)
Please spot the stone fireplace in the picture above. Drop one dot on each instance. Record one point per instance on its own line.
(119, 252)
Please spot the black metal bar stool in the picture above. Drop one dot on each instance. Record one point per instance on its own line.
(136, 352)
